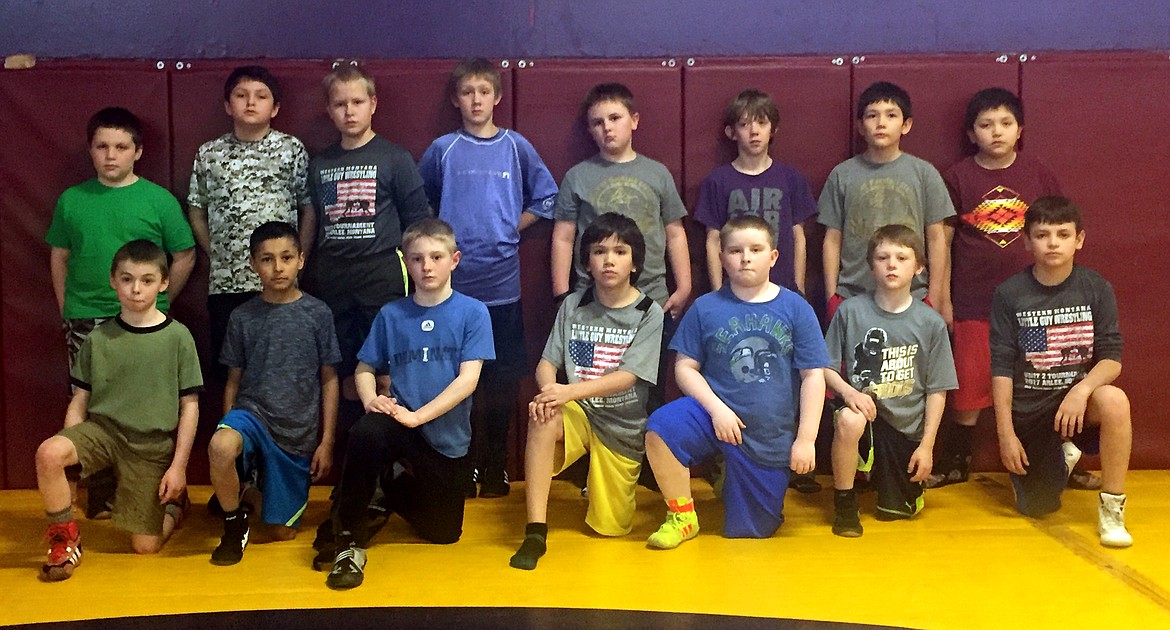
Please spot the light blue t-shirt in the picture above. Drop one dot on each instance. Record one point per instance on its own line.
(481, 186)
(750, 353)
(421, 347)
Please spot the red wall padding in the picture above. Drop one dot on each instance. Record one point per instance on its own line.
(1090, 118)
(45, 112)
(1100, 123)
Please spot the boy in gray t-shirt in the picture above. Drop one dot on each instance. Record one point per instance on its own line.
(606, 338)
(890, 363)
(280, 351)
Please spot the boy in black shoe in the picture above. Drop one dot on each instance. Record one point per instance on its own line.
(897, 369)
(280, 350)
(433, 345)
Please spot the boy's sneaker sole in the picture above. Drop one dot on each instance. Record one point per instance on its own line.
(63, 571)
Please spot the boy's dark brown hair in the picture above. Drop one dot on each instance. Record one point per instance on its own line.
(144, 252)
(473, 67)
(115, 118)
(602, 92)
(251, 73)
(272, 230)
(625, 230)
(900, 235)
(1052, 210)
(746, 222)
(755, 105)
(884, 92)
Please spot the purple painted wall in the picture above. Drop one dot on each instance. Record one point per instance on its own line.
(570, 28)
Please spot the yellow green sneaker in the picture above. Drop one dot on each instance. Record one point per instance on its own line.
(679, 527)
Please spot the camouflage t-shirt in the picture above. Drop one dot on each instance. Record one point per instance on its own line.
(242, 185)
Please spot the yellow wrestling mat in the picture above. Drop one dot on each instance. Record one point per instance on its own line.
(968, 561)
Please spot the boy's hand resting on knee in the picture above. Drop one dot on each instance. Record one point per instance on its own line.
(1070, 416)
(727, 426)
(1011, 453)
(803, 458)
(921, 461)
(861, 403)
(173, 483)
(541, 412)
(554, 394)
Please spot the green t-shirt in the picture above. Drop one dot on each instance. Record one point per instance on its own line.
(93, 221)
(135, 376)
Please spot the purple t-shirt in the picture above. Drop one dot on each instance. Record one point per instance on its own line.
(989, 246)
(780, 195)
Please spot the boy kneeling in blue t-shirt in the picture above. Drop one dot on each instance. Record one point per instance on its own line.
(740, 350)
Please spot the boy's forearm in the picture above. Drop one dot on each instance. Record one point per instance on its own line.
(1001, 402)
(198, 218)
(329, 397)
(78, 408)
(812, 402)
(835, 382)
(564, 233)
(612, 383)
(799, 256)
(831, 260)
(1105, 372)
(714, 264)
(58, 270)
(691, 383)
(938, 257)
(366, 383)
(935, 401)
(307, 227)
(231, 389)
(185, 437)
(546, 373)
(181, 267)
(680, 256)
(948, 242)
(527, 220)
(453, 394)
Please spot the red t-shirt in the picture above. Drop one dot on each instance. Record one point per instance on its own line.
(989, 245)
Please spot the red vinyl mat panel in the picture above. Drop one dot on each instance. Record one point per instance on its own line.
(939, 88)
(1099, 122)
(812, 94)
(46, 109)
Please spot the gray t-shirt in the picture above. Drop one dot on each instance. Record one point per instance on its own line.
(641, 189)
(281, 348)
(898, 358)
(859, 197)
(590, 340)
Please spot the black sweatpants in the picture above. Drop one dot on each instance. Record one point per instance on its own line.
(429, 495)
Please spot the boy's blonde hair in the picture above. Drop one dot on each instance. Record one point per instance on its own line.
(900, 235)
(346, 72)
(746, 222)
(437, 229)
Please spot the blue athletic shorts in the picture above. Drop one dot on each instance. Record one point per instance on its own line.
(753, 495)
(282, 478)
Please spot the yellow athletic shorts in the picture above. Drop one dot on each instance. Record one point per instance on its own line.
(612, 477)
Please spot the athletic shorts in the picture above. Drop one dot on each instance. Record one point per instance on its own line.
(884, 452)
(511, 362)
(972, 351)
(282, 478)
(753, 495)
(138, 466)
(76, 330)
(1038, 492)
(612, 476)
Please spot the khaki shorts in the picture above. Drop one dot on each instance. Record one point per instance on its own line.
(612, 477)
(138, 467)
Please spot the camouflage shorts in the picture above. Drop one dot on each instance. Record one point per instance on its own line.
(76, 330)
